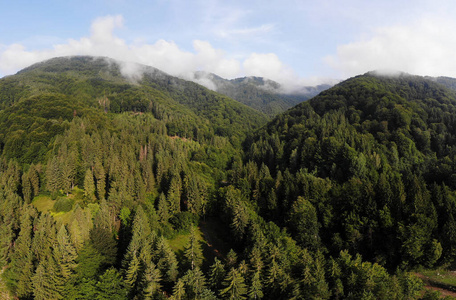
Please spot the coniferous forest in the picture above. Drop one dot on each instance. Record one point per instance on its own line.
(153, 187)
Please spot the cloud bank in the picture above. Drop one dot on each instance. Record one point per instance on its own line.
(424, 47)
(164, 55)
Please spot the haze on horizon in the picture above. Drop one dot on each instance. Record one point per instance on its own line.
(292, 42)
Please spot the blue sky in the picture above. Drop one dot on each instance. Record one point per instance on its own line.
(293, 42)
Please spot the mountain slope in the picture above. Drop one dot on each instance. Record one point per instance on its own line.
(449, 82)
(376, 157)
(259, 93)
(88, 86)
(106, 181)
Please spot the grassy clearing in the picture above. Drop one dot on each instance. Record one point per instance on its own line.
(43, 203)
(441, 276)
(179, 242)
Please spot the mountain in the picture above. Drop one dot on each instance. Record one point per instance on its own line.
(260, 93)
(61, 88)
(449, 82)
(118, 181)
(374, 157)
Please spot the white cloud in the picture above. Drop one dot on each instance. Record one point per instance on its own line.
(426, 47)
(164, 55)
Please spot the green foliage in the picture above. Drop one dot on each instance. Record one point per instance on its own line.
(365, 169)
(184, 221)
(235, 287)
(63, 204)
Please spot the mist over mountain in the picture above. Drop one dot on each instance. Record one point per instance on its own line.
(260, 93)
(119, 181)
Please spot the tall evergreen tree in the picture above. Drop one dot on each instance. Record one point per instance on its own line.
(89, 185)
(255, 290)
(234, 286)
(21, 268)
(152, 278)
(47, 280)
(216, 274)
(110, 286)
(65, 253)
(193, 252)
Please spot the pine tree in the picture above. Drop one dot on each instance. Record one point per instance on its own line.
(141, 229)
(193, 252)
(45, 236)
(167, 262)
(235, 287)
(255, 260)
(89, 186)
(179, 290)
(6, 241)
(53, 182)
(163, 209)
(195, 282)
(216, 274)
(240, 220)
(152, 278)
(47, 280)
(100, 175)
(21, 268)
(231, 259)
(27, 190)
(65, 253)
(80, 226)
(103, 241)
(89, 262)
(110, 286)
(194, 193)
(133, 273)
(174, 193)
(256, 287)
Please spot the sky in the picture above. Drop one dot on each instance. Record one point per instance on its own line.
(289, 41)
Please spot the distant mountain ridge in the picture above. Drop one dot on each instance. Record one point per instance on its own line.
(260, 93)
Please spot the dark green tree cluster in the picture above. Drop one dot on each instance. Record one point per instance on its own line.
(366, 166)
(336, 199)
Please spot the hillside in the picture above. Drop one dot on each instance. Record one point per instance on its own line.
(48, 93)
(152, 187)
(264, 95)
(374, 156)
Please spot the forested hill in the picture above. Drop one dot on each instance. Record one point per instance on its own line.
(260, 93)
(48, 93)
(138, 187)
(375, 158)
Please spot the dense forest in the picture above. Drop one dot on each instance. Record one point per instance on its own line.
(264, 95)
(152, 187)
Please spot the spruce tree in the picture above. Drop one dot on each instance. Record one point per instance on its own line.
(47, 280)
(179, 290)
(216, 274)
(6, 241)
(89, 186)
(100, 175)
(151, 281)
(110, 286)
(45, 236)
(255, 290)
(234, 286)
(167, 261)
(193, 252)
(163, 209)
(21, 269)
(65, 253)
(195, 282)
